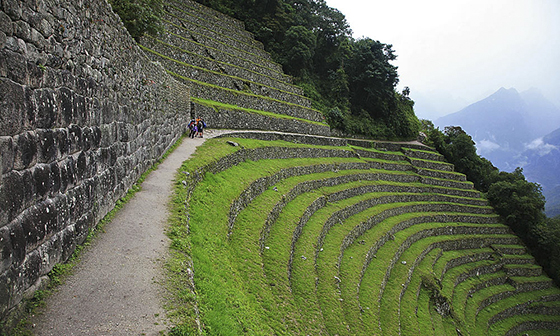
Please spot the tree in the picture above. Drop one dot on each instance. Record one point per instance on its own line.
(459, 148)
(372, 78)
(299, 48)
(519, 202)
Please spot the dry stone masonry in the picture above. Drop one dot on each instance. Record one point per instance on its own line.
(83, 113)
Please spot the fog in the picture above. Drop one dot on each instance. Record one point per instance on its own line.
(454, 53)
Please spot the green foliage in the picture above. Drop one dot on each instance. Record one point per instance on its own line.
(372, 78)
(300, 49)
(139, 16)
(518, 201)
(351, 81)
(458, 148)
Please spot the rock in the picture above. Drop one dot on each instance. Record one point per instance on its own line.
(234, 144)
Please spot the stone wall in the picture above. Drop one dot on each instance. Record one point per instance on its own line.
(233, 119)
(83, 113)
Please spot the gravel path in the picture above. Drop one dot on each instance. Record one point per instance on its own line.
(115, 289)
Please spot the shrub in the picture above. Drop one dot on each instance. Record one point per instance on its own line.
(139, 16)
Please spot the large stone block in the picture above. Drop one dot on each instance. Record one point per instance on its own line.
(12, 107)
(5, 249)
(6, 290)
(67, 115)
(12, 192)
(6, 155)
(25, 150)
(67, 175)
(42, 180)
(47, 109)
(62, 142)
(6, 24)
(39, 222)
(74, 138)
(31, 270)
(46, 146)
(18, 241)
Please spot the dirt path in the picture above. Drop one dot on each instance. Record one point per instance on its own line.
(115, 289)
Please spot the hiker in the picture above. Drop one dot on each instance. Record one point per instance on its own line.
(192, 125)
(200, 125)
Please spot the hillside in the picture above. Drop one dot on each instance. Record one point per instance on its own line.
(327, 236)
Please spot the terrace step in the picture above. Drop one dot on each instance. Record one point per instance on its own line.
(213, 38)
(523, 270)
(218, 79)
(216, 59)
(551, 325)
(193, 65)
(218, 115)
(246, 100)
(543, 305)
(208, 14)
(215, 48)
(428, 164)
(215, 24)
(447, 183)
(439, 174)
(510, 249)
(423, 154)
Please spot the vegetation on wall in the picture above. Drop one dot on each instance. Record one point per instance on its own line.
(352, 81)
(519, 202)
(139, 16)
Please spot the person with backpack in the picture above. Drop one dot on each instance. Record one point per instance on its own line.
(201, 125)
(191, 126)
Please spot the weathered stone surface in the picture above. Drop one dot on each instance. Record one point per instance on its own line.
(25, 150)
(78, 125)
(12, 107)
(6, 155)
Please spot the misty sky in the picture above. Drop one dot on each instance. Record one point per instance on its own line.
(454, 53)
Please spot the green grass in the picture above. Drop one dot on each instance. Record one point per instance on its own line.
(484, 316)
(503, 326)
(243, 284)
(234, 107)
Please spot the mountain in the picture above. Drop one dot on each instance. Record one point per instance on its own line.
(544, 116)
(542, 166)
(504, 124)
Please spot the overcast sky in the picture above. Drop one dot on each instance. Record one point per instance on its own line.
(452, 53)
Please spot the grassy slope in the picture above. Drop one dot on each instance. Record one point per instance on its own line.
(243, 290)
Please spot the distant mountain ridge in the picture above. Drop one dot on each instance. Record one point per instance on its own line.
(514, 129)
(504, 124)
